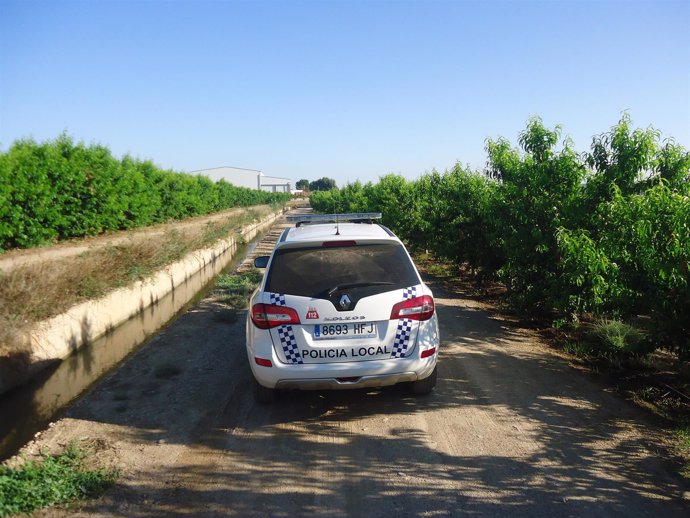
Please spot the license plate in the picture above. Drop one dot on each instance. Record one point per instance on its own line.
(349, 330)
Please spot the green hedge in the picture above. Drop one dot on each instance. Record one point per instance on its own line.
(605, 232)
(59, 190)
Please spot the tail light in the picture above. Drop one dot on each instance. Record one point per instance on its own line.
(330, 244)
(267, 316)
(418, 308)
(428, 352)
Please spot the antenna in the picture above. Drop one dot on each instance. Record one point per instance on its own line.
(337, 228)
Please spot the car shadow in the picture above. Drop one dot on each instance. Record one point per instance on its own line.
(570, 447)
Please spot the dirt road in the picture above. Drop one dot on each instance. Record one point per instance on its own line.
(511, 429)
(73, 247)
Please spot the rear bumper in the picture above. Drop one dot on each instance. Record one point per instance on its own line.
(341, 375)
(382, 380)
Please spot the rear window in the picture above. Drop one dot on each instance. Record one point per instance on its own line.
(313, 272)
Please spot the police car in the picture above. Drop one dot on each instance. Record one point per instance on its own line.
(341, 306)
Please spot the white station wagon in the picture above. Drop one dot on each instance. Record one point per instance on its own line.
(341, 306)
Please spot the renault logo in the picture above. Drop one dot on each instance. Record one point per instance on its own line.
(345, 302)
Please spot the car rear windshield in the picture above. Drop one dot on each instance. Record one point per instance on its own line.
(314, 272)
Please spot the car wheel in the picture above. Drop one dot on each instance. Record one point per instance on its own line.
(424, 386)
(262, 394)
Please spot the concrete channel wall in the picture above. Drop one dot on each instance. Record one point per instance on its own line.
(57, 338)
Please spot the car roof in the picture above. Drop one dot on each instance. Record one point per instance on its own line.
(340, 232)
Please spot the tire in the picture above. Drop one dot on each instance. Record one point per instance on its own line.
(263, 395)
(424, 386)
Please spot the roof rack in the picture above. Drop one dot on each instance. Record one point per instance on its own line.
(352, 217)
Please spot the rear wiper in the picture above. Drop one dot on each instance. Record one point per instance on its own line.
(356, 285)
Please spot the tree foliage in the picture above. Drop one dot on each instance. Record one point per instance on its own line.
(59, 190)
(322, 184)
(606, 232)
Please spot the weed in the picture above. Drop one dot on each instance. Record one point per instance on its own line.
(139, 272)
(647, 394)
(234, 290)
(438, 270)
(616, 339)
(56, 479)
(244, 283)
(579, 348)
(683, 447)
(566, 324)
(234, 301)
(434, 266)
(90, 288)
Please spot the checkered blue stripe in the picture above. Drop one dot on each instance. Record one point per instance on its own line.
(402, 338)
(277, 299)
(285, 333)
(287, 340)
(404, 330)
(410, 293)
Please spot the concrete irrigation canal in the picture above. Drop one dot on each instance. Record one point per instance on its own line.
(28, 409)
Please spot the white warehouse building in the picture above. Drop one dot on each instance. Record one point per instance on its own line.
(250, 178)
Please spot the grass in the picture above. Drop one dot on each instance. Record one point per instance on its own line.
(234, 301)
(434, 267)
(579, 348)
(54, 480)
(32, 293)
(683, 447)
(618, 338)
(611, 342)
(244, 283)
(234, 290)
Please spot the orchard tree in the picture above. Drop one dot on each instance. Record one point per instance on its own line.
(323, 184)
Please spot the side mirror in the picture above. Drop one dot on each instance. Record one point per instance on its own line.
(261, 261)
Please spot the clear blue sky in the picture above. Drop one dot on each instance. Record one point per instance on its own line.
(345, 89)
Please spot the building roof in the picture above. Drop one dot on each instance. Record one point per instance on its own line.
(199, 171)
(269, 180)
